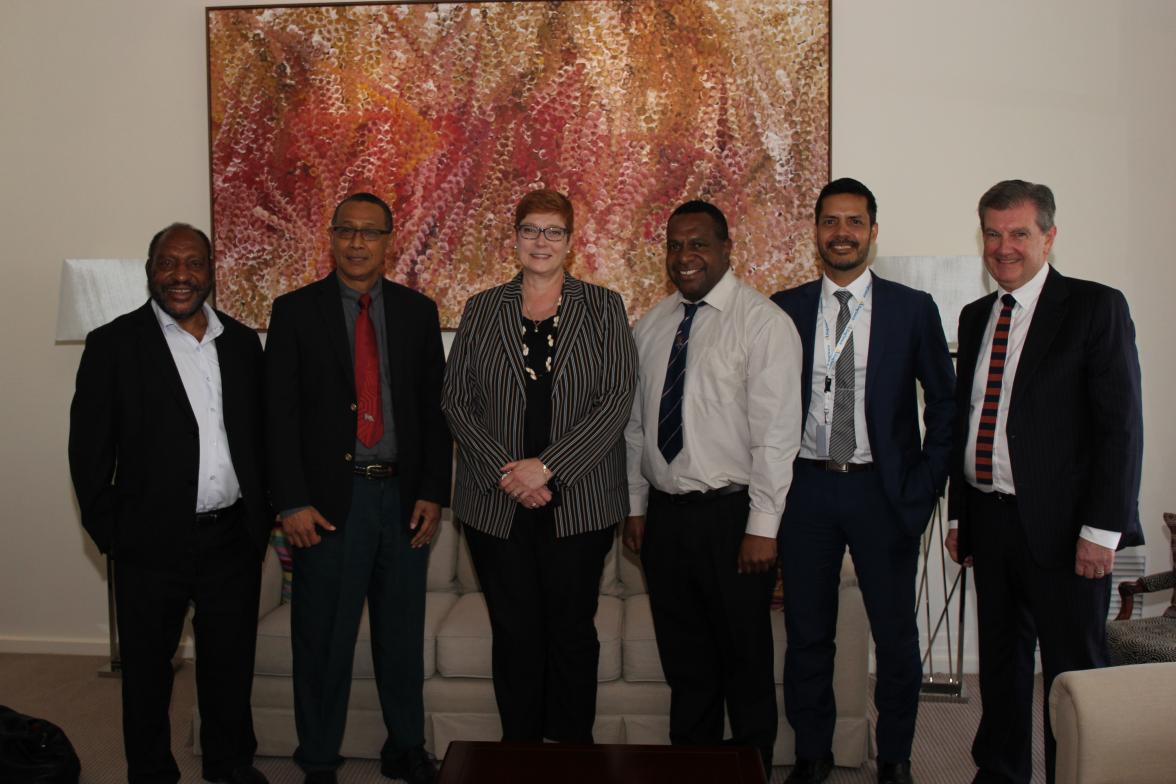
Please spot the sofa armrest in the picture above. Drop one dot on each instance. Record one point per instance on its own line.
(271, 584)
(1113, 725)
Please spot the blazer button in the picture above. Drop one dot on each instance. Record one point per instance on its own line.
(354, 407)
(347, 456)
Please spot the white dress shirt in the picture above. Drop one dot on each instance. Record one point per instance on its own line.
(199, 367)
(1002, 471)
(863, 294)
(740, 407)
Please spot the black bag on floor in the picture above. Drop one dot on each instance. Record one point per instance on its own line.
(35, 751)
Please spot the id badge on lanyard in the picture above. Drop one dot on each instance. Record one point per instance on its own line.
(832, 354)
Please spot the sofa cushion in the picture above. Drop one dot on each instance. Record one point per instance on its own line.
(642, 663)
(442, 575)
(464, 639)
(629, 572)
(273, 655)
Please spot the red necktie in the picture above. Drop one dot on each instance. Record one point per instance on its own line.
(986, 433)
(370, 424)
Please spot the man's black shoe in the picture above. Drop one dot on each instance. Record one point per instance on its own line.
(413, 765)
(895, 773)
(321, 777)
(246, 774)
(807, 771)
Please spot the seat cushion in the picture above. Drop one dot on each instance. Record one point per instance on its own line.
(1142, 640)
(464, 639)
(642, 663)
(274, 656)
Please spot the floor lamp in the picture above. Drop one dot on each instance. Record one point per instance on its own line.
(93, 292)
(953, 281)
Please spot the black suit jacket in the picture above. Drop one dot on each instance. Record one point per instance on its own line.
(311, 401)
(134, 446)
(1075, 424)
(906, 346)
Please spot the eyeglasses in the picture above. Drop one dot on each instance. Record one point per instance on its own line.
(347, 233)
(552, 233)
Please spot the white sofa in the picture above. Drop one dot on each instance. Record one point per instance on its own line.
(1114, 725)
(632, 702)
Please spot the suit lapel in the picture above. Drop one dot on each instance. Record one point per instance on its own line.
(158, 359)
(971, 335)
(572, 317)
(880, 328)
(807, 327)
(1047, 319)
(330, 308)
(508, 328)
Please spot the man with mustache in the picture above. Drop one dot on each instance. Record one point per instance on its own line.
(863, 479)
(714, 430)
(165, 451)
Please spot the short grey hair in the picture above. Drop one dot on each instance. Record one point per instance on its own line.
(1011, 193)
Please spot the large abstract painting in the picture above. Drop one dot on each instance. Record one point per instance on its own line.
(452, 111)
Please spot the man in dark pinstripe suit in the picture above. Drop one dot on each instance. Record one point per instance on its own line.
(1045, 469)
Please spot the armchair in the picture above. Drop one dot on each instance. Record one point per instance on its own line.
(1142, 640)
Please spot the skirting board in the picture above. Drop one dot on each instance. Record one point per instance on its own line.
(75, 647)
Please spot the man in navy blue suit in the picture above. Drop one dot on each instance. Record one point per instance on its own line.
(863, 478)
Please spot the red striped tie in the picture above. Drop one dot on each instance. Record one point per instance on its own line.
(986, 433)
(370, 421)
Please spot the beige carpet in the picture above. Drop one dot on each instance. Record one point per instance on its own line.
(67, 691)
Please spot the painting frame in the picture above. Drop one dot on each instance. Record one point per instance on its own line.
(625, 162)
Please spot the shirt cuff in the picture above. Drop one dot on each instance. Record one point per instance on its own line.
(763, 524)
(1101, 536)
(953, 524)
(638, 503)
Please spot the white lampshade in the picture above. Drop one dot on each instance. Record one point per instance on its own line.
(95, 291)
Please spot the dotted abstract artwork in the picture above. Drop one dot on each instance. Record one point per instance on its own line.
(451, 112)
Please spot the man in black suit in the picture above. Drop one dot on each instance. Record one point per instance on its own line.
(1045, 469)
(360, 462)
(165, 450)
(863, 479)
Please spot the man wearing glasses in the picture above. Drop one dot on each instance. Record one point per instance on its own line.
(359, 459)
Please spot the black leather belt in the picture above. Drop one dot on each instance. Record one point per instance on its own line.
(376, 470)
(218, 514)
(700, 496)
(837, 468)
(994, 495)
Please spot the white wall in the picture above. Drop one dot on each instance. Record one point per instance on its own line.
(103, 139)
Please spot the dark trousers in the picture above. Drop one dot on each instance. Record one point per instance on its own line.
(827, 512)
(542, 593)
(368, 557)
(713, 625)
(1018, 604)
(216, 568)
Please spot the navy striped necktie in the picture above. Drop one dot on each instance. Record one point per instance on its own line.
(669, 419)
(986, 432)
